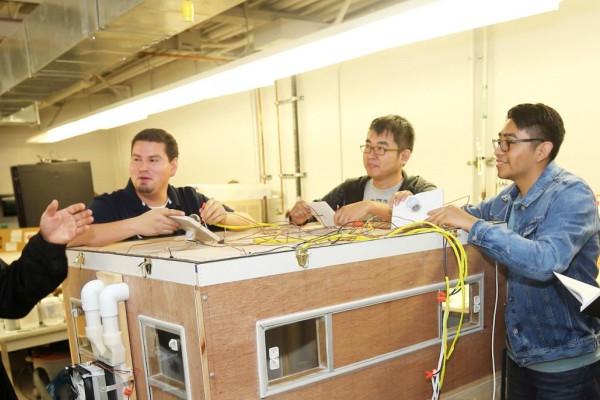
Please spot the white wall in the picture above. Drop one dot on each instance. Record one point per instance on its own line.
(429, 84)
(216, 138)
(553, 58)
(98, 148)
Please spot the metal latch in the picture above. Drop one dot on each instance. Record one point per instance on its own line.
(302, 256)
(79, 260)
(146, 267)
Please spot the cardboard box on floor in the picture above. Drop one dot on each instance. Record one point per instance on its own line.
(14, 239)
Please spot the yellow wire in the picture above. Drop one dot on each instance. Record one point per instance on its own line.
(339, 237)
(243, 227)
(311, 240)
(462, 264)
(275, 240)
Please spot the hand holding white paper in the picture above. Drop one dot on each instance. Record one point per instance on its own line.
(194, 230)
(416, 207)
(323, 212)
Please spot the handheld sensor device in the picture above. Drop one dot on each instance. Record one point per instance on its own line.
(194, 230)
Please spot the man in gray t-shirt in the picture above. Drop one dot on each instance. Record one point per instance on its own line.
(373, 193)
(386, 151)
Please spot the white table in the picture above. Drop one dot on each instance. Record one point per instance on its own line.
(26, 338)
(9, 256)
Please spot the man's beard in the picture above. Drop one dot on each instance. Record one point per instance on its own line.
(145, 189)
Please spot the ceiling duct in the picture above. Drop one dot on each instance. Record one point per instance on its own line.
(64, 44)
(28, 116)
(283, 30)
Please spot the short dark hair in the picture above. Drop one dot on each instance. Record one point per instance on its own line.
(404, 134)
(158, 136)
(540, 120)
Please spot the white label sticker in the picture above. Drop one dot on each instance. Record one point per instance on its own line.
(274, 352)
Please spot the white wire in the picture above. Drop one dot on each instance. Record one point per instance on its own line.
(435, 378)
(494, 334)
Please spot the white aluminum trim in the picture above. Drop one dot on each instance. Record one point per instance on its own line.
(261, 350)
(349, 368)
(329, 341)
(327, 312)
(352, 305)
(323, 375)
(149, 321)
(218, 271)
(163, 270)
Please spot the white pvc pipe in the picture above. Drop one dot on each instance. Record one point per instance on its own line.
(110, 324)
(90, 301)
(109, 297)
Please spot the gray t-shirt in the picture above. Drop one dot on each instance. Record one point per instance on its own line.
(380, 195)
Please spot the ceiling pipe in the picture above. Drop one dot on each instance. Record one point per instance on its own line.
(342, 12)
(181, 55)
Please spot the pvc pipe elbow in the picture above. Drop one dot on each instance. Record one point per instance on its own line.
(109, 297)
(90, 294)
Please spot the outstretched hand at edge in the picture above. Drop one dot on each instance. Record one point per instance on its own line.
(61, 226)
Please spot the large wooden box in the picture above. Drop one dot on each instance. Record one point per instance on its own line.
(375, 307)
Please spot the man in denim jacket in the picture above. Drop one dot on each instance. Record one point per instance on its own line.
(551, 226)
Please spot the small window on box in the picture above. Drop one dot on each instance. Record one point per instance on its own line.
(295, 350)
(165, 357)
(465, 303)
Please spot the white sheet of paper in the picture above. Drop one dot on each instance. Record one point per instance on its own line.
(194, 230)
(405, 212)
(323, 212)
(584, 292)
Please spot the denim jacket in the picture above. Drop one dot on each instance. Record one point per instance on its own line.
(555, 227)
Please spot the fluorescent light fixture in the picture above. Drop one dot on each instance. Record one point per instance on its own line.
(104, 119)
(407, 22)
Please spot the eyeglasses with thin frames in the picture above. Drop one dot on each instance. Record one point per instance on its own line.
(504, 144)
(379, 150)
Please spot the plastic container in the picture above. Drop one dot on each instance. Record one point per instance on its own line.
(11, 324)
(31, 320)
(52, 311)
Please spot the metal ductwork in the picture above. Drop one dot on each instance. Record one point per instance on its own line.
(51, 50)
(63, 46)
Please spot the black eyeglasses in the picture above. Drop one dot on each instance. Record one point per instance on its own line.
(504, 144)
(379, 150)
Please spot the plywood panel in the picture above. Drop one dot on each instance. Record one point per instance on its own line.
(203, 374)
(370, 331)
(170, 302)
(231, 311)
